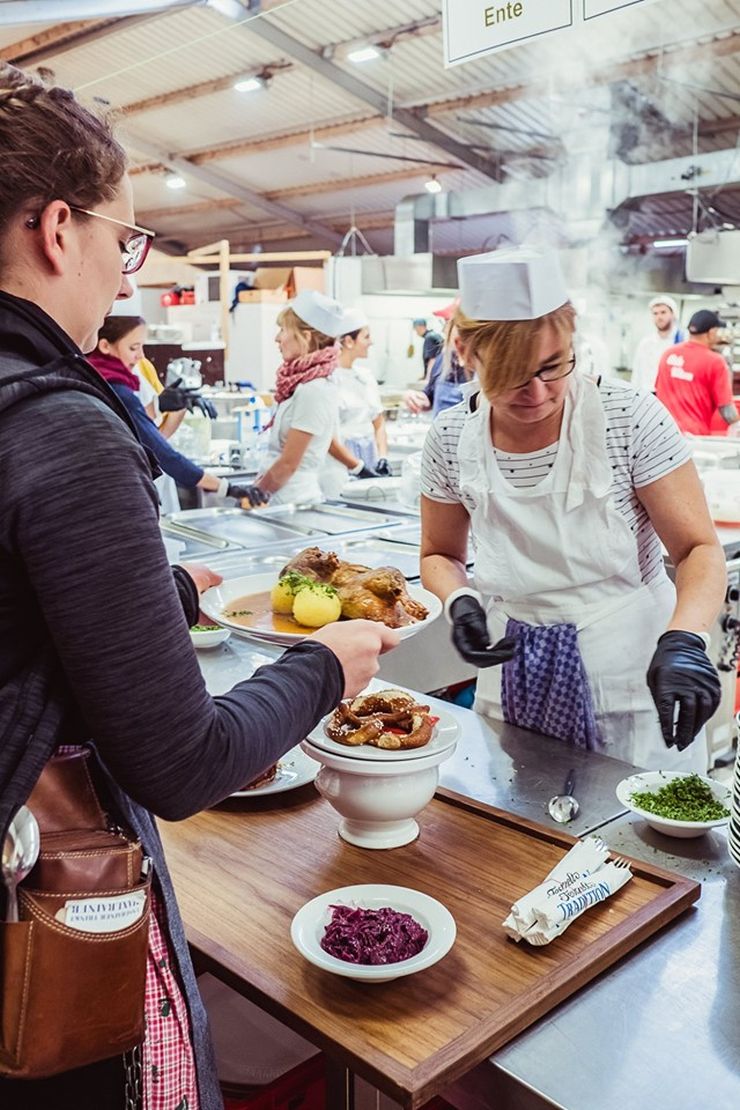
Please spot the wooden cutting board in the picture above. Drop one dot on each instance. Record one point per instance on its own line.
(242, 871)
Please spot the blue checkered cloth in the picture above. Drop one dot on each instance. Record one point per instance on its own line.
(545, 687)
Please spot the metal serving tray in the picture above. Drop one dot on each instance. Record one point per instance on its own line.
(370, 551)
(228, 527)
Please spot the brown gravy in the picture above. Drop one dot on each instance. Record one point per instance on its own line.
(258, 614)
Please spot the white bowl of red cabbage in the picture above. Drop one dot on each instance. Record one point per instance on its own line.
(373, 932)
(676, 803)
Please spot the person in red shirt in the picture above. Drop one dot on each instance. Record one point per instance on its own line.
(693, 380)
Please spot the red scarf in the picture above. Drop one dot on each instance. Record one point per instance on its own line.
(113, 370)
(307, 368)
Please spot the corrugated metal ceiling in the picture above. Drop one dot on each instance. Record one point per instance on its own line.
(176, 50)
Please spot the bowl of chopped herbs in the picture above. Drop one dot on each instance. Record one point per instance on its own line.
(208, 635)
(676, 803)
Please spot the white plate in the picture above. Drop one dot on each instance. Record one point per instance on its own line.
(445, 734)
(307, 929)
(216, 601)
(653, 780)
(295, 769)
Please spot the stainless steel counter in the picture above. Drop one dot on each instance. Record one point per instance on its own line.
(661, 1030)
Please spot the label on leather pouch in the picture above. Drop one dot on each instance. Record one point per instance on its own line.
(103, 915)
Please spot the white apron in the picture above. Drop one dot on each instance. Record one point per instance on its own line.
(559, 552)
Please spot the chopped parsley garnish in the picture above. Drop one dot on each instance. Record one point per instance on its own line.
(683, 799)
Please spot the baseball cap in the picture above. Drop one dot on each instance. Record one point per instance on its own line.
(703, 321)
(448, 310)
(420, 321)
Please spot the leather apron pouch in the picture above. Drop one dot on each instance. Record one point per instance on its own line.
(73, 968)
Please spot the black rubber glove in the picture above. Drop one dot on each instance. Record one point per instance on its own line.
(174, 398)
(383, 468)
(471, 638)
(367, 472)
(253, 494)
(681, 671)
(206, 407)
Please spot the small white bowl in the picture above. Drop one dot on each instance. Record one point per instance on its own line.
(377, 799)
(308, 925)
(210, 639)
(653, 780)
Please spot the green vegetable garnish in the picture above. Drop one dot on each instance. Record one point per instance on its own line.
(684, 799)
(292, 582)
(320, 588)
(205, 628)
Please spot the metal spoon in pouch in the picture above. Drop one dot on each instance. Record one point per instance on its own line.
(20, 852)
(564, 807)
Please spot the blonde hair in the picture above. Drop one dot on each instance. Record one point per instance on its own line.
(506, 350)
(315, 341)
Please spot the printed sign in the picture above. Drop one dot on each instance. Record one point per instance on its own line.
(106, 914)
(473, 28)
(594, 8)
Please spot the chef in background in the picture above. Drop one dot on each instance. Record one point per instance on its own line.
(360, 448)
(651, 347)
(432, 343)
(307, 399)
(448, 376)
(569, 485)
(694, 381)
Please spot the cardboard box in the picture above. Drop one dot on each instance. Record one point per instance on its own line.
(278, 284)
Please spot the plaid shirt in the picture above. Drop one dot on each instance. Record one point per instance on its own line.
(168, 1063)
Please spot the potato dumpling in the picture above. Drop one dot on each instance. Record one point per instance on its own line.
(317, 605)
(282, 597)
(283, 592)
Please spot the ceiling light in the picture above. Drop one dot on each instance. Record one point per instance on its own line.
(250, 84)
(663, 243)
(363, 54)
(174, 181)
(432, 185)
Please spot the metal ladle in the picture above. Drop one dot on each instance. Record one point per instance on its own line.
(20, 852)
(564, 807)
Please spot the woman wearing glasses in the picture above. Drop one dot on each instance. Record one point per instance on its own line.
(569, 486)
(94, 642)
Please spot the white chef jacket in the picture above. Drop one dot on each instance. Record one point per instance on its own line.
(312, 409)
(648, 355)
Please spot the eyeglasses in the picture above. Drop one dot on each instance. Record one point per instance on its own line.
(136, 247)
(553, 372)
(133, 251)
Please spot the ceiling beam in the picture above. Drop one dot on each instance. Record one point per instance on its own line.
(652, 65)
(203, 88)
(151, 215)
(357, 89)
(250, 233)
(89, 32)
(235, 189)
(341, 184)
(242, 147)
(52, 36)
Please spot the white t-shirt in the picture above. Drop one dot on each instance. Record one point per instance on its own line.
(313, 409)
(642, 441)
(359, 402)
(648, 355)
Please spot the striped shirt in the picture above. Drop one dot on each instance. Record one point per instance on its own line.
(642, 442)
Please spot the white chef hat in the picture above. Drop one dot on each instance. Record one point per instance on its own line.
(319, 311)
(515, 283)
(353, 320)
(667, 301)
